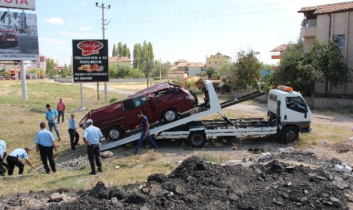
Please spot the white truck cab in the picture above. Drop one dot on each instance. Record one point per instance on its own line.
(290, 112)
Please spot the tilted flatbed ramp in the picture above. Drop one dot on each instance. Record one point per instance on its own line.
(214, 107)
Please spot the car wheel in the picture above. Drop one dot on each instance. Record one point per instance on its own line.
(197, 139)
(170, 115)
(289, 134)
(14, 44)
(114, 133)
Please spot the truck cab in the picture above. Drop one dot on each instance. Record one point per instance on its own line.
(289, 111)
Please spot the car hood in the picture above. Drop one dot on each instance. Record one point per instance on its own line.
(153, 88)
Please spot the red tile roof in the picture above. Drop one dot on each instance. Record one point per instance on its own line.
(280, 48)
(329, 8)
(119, 59)
(181, 61)
(198, 64)
(181, 65)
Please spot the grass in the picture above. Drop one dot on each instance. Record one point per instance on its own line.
(345, 111)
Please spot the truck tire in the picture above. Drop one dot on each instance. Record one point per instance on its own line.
(289, 134)
(114, 133)
(197, 139)
(169, 115)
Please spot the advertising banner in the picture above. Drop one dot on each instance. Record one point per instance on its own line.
(19, 4)
(90, 60)
(18, 36)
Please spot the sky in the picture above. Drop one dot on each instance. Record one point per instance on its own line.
(177, 29)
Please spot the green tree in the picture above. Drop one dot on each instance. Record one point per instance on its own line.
(120, 49)
(296, 69)
(114, 52)
(50, 68)
(147, 59)
(136, 63)
(160, 68)
(330, 63)
(210, 71)
(228, 73)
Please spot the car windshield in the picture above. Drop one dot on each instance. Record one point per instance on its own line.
(296, 104)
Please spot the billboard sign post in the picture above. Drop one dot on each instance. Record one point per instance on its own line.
(90, 60)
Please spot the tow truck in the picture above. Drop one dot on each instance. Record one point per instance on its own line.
(288, 115)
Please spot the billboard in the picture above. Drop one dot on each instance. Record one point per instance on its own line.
(90, 60)
(18, 36)
(19, 4)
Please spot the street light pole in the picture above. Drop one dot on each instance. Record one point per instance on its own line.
(103, 28)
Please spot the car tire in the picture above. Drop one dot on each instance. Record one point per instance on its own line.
(14, 44)
(114, 133)
(197, 139)
(169, 115)
(289, 134)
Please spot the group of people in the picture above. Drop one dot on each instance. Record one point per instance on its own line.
(45, 142)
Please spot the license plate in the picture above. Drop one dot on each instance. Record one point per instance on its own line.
(10, 39)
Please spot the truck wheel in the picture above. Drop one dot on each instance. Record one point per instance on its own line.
(114, 133)
(289, 134)
(197, 139)
(169, 115)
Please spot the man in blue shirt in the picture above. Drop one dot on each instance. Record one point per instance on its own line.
(45, 143)
(92, 136)
(13, 159)
(145, 132)
(51, 115)
(73, 133)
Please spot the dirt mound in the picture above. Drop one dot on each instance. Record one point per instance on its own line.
(342, 147)
(198, 184)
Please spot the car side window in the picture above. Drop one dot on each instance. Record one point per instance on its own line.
(128, 104)
(139, 101)
(296, 104)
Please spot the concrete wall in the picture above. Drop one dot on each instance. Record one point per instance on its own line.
(314, 103)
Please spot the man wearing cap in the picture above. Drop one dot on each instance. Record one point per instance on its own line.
(51, 115)
(45, 143)
(2, 157)
(74, 136)
(13, 159)
(92, 136)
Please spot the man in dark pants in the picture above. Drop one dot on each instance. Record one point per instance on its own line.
(45, 143)
(13, 159)
(74, 136)
(2, 157)
(145, 132)
(92, 136)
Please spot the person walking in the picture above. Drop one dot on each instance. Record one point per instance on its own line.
(45, 143)
(61, 110)
(145, 132)
(74, 136)
(92, 136)
(13, 159)
(51, 115)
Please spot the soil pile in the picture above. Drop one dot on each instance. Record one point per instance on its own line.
(197, 184)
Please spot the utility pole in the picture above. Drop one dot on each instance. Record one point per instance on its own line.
(103, 28)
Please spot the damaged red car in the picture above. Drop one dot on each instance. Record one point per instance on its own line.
(163, 101)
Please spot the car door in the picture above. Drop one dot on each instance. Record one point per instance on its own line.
(132, 106)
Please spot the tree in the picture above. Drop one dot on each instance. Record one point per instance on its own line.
(160, 68)
(296, 69)
(114, 52)
(147, 59)
(137, 56)
(120, 49)
(330, 63)
(228, 73)
(210, 71)
(50, 67)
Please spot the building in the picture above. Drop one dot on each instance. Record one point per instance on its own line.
(335, 22)
(177, 75)
(216, 61)
(181, 65)
(195, 69)
(39, 64)
(119, 61)
(277, 54)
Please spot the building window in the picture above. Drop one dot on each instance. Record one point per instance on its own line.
(340, 40)
(215, 62)
(209, 62)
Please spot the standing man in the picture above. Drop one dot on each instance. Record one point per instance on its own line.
(91, 136)
(51, 116)
(45, 143)
(73, 133)
(61, 109)
(145, 132)
(13, 159)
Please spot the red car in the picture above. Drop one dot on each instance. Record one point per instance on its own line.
(163, 101)
(8, 37)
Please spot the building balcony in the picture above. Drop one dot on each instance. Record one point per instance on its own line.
(308, 31)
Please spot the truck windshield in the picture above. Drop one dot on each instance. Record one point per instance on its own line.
(296, 104)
